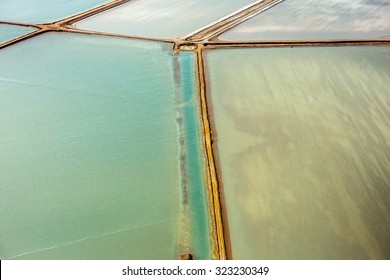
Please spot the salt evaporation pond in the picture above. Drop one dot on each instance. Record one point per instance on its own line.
(303, 138)
(9, 32)
(316, 20)
(161, 18)
(96, 141)
(101, 147)
(44, 11)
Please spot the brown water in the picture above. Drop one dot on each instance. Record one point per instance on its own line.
(303, 139)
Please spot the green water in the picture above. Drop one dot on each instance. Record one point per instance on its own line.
(90, 152)
(316, 20)
(161, 18)
(44, 11)
(303, 138)
(9, 32)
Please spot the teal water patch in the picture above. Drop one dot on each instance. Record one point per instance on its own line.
(161, 18)
(199, 213)
(44, 11)
(89, 150)
(316, 20)
(9, 32)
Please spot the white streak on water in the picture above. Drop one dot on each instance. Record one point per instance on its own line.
(88, 238)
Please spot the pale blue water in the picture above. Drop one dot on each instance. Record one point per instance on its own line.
(161, 18)
(9, 32)
(44, 11)
(317, 19)
(90, 152)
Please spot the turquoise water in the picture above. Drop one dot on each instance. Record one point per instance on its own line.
(44, 11)
(317, 19)
(9, 32)
(90, 152)
(194, 159)
(303, 141)
(161, 18)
